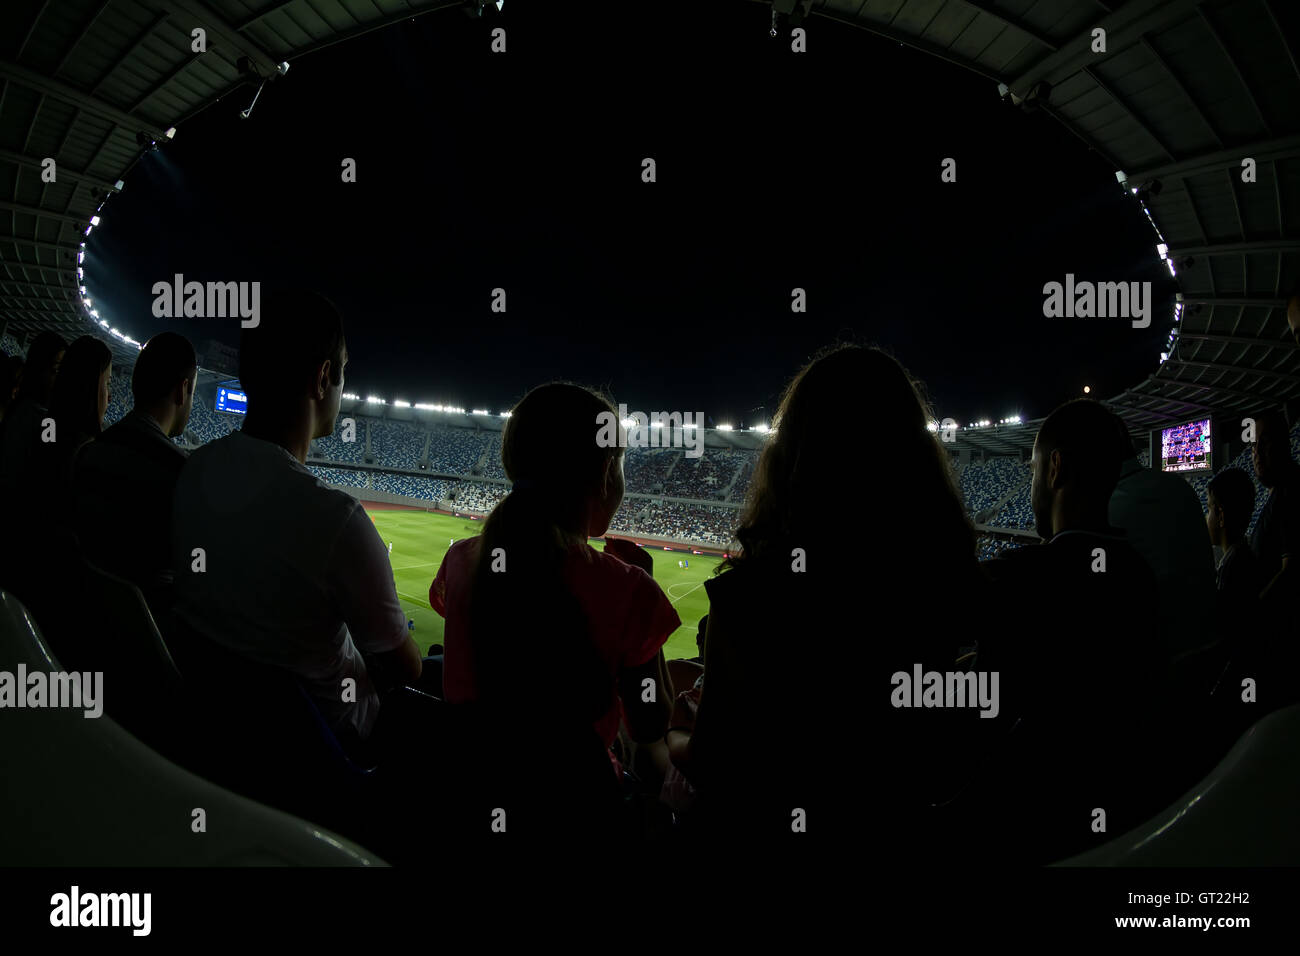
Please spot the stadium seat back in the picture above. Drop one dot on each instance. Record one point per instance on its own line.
(554, 786)
(261, 734)
(84, 792)
(1242, 814)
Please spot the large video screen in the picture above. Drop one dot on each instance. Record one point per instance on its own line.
(1186, 447)
(231, 398)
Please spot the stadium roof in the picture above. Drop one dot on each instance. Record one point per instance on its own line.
(1184, 91)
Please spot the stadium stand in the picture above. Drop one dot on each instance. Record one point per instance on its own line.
(1017, 512)
(741, 487)
(984, 483)
(397, 444)
(708, 524)
(206, 425)
(454, 451)
(493, 468)
(334, 448)
(706, 477)
(644, 469)
(477, 497)
(119, 395)
(346, 477)
(412, 486)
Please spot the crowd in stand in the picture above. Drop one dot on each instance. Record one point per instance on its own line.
(702, 524)
(346, 477)
(412, 486)
(397, 444)
(552, 697)
(479, 497)
(984, 482)
(455, 451)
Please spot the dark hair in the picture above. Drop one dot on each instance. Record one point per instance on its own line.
(1083, 431)
(41, 354)
(1275, 418)
(903, 473)
(1235, 494)
(528, 630)
(10, 367)
(297, 330)
(74, 402)
(1124, 448)
(166, 360)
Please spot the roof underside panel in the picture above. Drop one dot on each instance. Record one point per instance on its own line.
(1184, 92)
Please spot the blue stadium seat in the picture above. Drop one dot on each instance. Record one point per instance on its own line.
(83, 792)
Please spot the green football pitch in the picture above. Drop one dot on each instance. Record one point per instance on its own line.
(421, 538)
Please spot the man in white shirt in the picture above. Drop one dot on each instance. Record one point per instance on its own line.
(291, 573)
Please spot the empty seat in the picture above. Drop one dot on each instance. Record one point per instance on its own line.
(1242, 814)
(84, 792)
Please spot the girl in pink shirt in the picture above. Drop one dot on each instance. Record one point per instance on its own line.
(558, 639)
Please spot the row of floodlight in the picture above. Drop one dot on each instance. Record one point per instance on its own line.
(982, 423)
(457, 410)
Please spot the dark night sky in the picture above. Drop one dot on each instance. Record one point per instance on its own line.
(523, 171)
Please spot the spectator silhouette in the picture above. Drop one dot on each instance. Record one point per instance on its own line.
(1276, 543)
(1160, 516)
(20, 430)
(856, 584)
(544, 631)
(1086, 671)
(1230, 497)
(11, 374)
(78, 402)
(270, 563)
(123, 481)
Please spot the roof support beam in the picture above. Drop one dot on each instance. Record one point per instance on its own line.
(130, 51)
(1256, 302)
(1219, 390)
(72, 47)
(60, 248)
(1165, 399)
(1236, 369)
(216, 25)
(1284, 344)
(64, 172)
(1265, 247)
(59, 90)
(1271, 149)
(1169, 72)
(1124, 27)
(1118, 100)
(1232, 62)
(79, 221)
(1014, 23)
